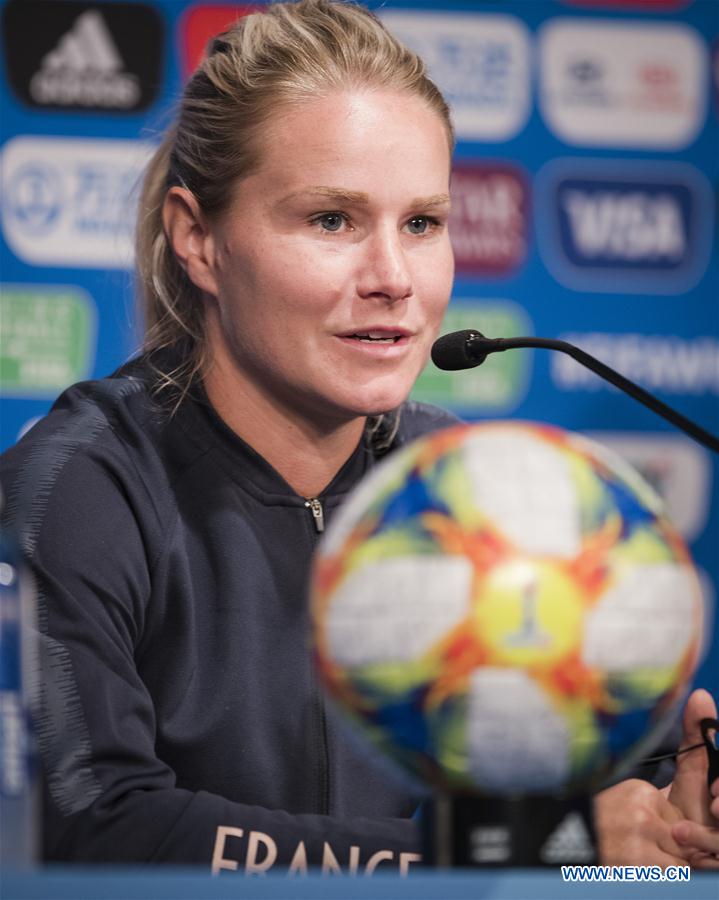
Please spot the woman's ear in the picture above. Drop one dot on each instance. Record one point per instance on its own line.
(190, 237)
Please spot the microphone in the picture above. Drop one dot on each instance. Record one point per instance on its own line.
(467, 349)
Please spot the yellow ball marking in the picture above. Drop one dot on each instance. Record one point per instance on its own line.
(529, 613)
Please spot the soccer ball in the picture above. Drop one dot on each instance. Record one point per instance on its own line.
(505, 608)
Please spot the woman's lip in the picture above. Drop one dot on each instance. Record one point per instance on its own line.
(385, 349)
(380, 330)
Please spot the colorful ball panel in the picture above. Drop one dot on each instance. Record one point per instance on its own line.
(505, 608)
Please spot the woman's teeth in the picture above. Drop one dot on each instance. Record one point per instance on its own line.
(382, 338)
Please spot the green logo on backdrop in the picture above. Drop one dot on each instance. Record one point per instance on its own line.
(500, 383)
(47, 338)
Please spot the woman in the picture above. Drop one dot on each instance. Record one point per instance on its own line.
(295, 264)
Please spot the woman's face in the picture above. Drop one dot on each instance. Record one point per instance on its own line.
(333, 264)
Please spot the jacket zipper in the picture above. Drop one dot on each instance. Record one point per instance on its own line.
(315, 507)
(323, 751)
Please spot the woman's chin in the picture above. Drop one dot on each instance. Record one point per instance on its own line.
(380, 402)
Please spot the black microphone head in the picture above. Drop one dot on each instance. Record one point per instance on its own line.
(453, 351)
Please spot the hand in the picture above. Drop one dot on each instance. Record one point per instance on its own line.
(634, 823)
(697, 833)
(638, 824)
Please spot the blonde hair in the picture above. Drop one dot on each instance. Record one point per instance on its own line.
(288, 53)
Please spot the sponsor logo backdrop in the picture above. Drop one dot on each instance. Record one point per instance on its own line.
(585, 208)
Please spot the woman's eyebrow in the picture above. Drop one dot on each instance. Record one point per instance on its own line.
(433, 200)
(341, 195)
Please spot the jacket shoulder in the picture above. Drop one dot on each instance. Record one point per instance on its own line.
(417, 419)
(84, 462)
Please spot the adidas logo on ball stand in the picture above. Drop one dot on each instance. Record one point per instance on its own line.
(497, 831)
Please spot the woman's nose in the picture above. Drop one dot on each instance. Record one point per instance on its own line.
(385, 272)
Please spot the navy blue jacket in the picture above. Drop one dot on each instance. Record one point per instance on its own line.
(180, 717)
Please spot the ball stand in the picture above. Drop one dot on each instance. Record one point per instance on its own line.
(501, 831)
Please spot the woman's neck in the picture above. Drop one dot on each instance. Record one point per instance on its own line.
(307, 454)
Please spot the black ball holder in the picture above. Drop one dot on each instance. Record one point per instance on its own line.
(500, 831)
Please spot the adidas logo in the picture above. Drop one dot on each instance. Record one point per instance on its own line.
(570, 842)
(85, 69)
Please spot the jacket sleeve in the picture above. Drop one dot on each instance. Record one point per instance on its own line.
(108, 797)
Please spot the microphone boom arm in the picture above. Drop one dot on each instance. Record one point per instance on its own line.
(477, 346)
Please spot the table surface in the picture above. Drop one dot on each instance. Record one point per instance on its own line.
(189, 884)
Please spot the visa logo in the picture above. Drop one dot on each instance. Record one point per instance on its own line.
(632, 225)
(624, 226)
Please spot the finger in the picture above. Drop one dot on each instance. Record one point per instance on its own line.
(672, 852)
(647, 850)
(689, 834)
(704, 861)
(658, 857)
(700, 705)
(688, 790)
(663, 838)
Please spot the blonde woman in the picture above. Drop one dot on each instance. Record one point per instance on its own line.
(294, 265)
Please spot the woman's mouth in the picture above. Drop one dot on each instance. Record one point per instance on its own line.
(372, 337)
(377, 334)
(378, 343)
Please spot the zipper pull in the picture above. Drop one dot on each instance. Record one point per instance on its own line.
(318, 515)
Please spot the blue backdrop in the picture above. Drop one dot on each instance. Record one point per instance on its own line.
(584, 207)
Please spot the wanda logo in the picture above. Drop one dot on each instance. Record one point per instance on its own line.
(488, 221)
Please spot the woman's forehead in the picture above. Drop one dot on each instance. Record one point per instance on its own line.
(317, 141)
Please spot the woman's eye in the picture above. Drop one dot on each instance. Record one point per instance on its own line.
(330, 221)
(418, 224)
